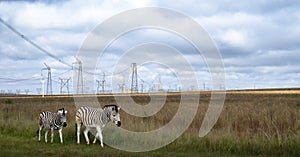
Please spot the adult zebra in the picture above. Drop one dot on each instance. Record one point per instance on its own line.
(52, 121)
(96, 118)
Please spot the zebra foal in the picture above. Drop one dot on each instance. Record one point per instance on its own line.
(52, 121)
(96, 118)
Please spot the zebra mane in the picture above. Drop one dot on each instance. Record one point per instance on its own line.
(63, 111)
(114, 107)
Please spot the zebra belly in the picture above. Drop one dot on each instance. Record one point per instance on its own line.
(90, 125)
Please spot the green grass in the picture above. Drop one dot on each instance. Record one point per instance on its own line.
(27, 145)
(20, 146)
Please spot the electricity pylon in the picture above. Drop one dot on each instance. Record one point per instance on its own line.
(134, 81)
(49, 79)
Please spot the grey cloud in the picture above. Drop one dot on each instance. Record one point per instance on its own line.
(265, 58)
(259, 7)
(270, 53)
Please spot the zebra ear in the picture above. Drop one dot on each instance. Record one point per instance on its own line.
(60, 111)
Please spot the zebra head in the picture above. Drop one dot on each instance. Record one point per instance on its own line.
(114, 115)
(63, 116)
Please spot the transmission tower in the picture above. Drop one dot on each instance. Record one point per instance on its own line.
(142, 86)
(64, 83)
(101, 84)
(134, 81)
(38, 90)
(121, 87)
(49, 79)
(18, 91)
(98, 86)
(79, 86)
(26, 91)
(192, 87)
(159, 86)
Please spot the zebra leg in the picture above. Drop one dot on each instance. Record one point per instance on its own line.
(40, 130)
(78, 133)
(52, 134)
(85, 132)
(60, 135)
(99, 133)
(46, 134)
(96, 136)
(101, 139)
(78, 125)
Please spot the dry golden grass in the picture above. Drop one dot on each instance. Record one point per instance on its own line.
(254, 122)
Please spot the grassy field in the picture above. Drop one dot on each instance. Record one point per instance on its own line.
(252, 123)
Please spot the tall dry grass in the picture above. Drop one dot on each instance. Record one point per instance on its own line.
(250, 124)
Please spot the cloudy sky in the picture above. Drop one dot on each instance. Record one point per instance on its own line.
(258, 42)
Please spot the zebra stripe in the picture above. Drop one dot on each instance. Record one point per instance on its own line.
(52, 121)
(96, 118)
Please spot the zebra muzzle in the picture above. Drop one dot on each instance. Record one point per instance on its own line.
(118, 123)
(65, 124)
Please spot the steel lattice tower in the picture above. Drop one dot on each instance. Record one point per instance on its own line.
(49, 79)
(134, 80)
(101, 84)
(64, 83)
(79, 77)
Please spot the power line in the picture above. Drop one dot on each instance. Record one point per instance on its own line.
(116, 73)
(13, 80)
(33, 44)
(33, 78)
(37, 46)
(49, 53)
(62, 73)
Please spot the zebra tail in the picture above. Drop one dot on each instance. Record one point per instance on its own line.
(76, 128)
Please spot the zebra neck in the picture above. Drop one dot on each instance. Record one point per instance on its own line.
(58, 120)
(107, 115)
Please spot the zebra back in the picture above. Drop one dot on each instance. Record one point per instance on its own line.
(90, 116)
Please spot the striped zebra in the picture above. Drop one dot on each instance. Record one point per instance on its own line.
(52, 121)
(96, 118)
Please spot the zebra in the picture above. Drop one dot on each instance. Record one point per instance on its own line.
(52, 121)
(96, 118)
